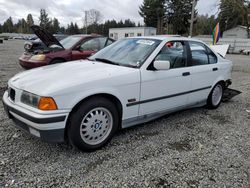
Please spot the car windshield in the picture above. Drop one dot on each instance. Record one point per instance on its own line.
(131, 52)
(70, 41)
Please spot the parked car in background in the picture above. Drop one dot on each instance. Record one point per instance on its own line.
(35, 45)
(73, 47)
(132, 81)
(246, 52)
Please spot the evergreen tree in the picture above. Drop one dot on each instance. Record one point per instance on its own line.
(153, 13)
(45, 22)
(178, 15)
(233, 13)
(76, 29)
(8, 26)
(55, 26)
(205, 25)
(30, 22)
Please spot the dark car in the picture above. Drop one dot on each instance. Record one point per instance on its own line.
(36, 44)
(71, 48)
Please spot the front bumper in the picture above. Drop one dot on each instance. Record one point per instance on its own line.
(26, 63)
(48, 128)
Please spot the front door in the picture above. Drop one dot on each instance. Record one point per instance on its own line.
(166, 90)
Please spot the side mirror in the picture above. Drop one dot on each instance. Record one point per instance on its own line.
(161, 65)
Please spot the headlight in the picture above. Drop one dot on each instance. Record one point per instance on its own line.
(27, 46)
(42, 103)
(30, 99)
(40, 57)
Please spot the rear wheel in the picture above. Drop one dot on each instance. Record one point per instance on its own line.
(93, 124)
(215, 97)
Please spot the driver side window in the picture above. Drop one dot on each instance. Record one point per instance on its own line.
(175, 53)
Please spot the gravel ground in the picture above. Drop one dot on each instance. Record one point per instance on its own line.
(194, 148)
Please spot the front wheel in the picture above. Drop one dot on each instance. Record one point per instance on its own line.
(215, 97)
(93, 124)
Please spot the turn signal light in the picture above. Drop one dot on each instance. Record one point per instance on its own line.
(47, 103)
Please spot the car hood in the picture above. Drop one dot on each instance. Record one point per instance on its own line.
(53, 79)
(47, 38)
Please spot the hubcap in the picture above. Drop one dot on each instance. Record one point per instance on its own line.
(96, 126)
(217, 95)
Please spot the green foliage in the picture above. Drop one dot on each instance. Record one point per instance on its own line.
(45, 22)
(204, 25)
(103, 29)
(30, 22)
(178, 15)
(233, 13)
(55, 28)
(173, 14)
(8, 25)
(153, 13)
(53, 25)
(72, 29)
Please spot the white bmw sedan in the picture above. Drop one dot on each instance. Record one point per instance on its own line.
(132, 81)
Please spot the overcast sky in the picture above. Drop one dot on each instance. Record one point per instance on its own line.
(72, 10)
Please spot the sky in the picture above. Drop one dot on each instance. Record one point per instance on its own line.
(73, 10)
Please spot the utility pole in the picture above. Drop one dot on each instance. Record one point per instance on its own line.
(86, 21)
(192, 18)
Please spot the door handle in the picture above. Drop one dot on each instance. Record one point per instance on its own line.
(186, 74)
(215, 69)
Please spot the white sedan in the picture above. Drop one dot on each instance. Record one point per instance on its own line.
(133, 81)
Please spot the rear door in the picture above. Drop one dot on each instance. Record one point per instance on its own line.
(204, 71)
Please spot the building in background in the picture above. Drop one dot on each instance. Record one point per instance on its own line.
(119, 33)
(239, 32)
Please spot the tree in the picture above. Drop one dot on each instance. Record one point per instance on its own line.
(55, 26)
(45, 22)
(76, 29)
(20, 26)
(178, 15)
(30, 22)
(153, 13)
(205, 25)
(92, 17)
(8, 26)
(129, 23)
(72, 29)
(233, 13)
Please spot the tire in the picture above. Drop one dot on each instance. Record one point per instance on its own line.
(215, 97)
(93, 124)
(56, 61)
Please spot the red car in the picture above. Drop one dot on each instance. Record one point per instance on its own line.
(74, 47)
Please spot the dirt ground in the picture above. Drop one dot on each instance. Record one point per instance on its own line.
(194, 148)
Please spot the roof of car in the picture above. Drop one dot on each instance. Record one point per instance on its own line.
(85, 35)
(168, 37)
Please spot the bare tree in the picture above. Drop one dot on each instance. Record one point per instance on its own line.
(92, 16)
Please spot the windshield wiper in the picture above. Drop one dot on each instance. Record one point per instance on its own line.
(107, 61)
